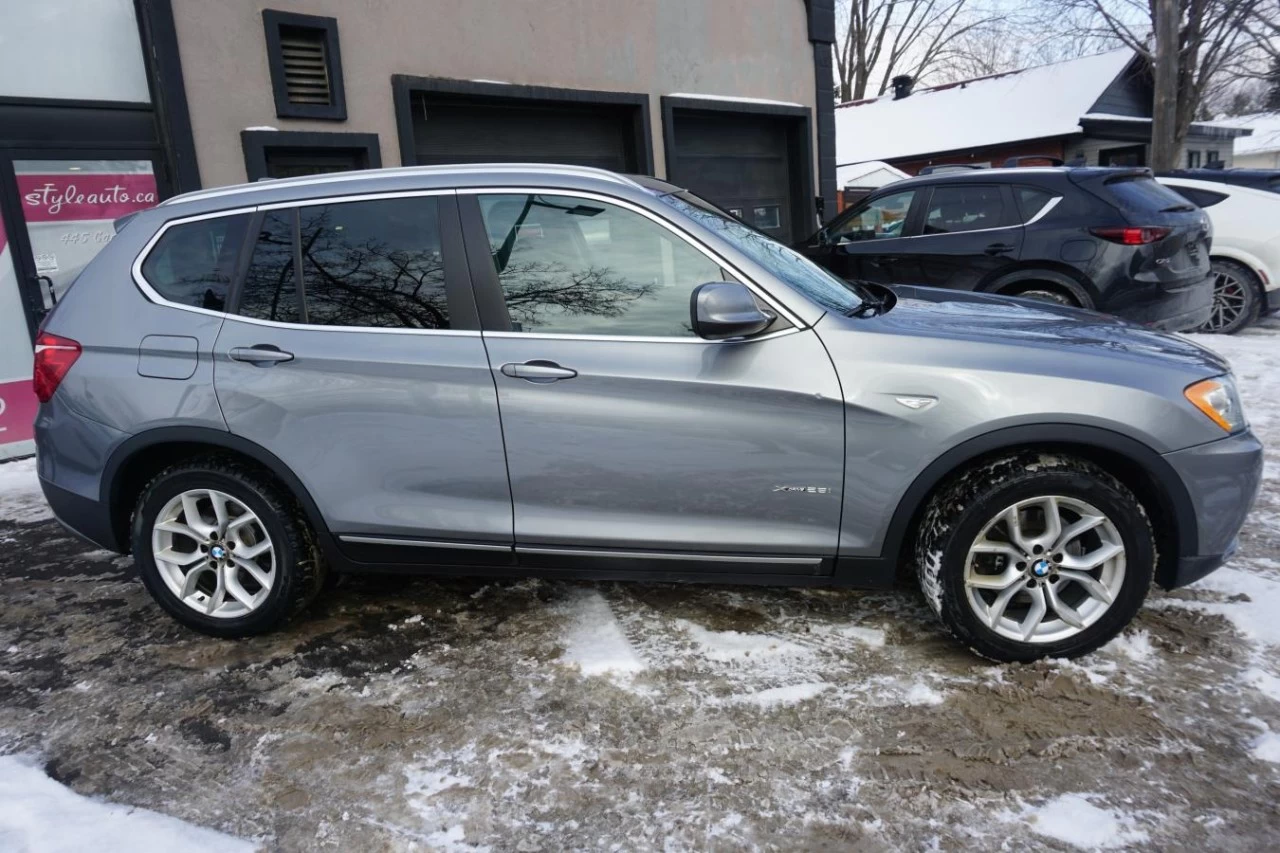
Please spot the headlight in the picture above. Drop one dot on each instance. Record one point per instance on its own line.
(1218, 399)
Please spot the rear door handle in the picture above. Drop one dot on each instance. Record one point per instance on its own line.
(263, 354)
(998, 249)
(538, 370)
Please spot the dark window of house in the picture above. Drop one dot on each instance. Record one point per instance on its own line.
(1198, 197)
(306, 65)
(374, 263)
(571, 265)
(193, 263)
(964, 208)
(1033, 201)
(1193, 159)
(1211, 157)
(270, 289)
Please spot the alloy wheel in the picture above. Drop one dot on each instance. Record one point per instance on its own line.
(214, 553)
(1044, 569)
(1230, 301)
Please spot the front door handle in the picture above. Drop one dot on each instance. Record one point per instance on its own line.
(998, 249)
(539, 370)
(260, 354)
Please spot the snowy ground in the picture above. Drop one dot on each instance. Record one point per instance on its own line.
(530, 715)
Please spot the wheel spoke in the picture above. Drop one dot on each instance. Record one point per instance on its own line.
(255, 571)
(1035, 613)
(1052, 523)
(190, 581)
(998, 607)
(1014, 525)
(219, 596)
(1064, 610)
(180, 529)
(1075, 529)
(241, 520)
(238, 592)
(219, 502)
(249, 552)
(1091, 584)
(1094, 558)
(179, 558)
(191, 515)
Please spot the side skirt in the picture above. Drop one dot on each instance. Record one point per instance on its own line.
(360, 553)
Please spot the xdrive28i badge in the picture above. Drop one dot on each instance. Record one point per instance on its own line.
(813, 490)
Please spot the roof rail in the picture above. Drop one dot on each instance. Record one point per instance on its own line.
(948, 167)
(366, 174)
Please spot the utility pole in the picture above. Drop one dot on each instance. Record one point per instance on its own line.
(1164, 115)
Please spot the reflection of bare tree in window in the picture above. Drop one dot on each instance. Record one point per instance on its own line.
(269, 289)
(554, 275)
(365, 280)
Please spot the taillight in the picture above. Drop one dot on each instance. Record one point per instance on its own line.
(1132, 236)
(54, 357)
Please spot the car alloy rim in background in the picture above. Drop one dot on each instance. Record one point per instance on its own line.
(1229, 301)
(214, 553)
(1044, 569)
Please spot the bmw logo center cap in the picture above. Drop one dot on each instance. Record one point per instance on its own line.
(1041, 568)
(218, 552)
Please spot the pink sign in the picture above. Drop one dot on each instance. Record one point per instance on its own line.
(18, 407)
(64, 197)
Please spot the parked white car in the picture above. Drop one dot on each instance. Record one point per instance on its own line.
(1246, 249)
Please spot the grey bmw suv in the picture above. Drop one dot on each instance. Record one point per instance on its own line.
(557, 371)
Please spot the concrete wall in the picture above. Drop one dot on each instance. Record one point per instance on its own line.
(1259, 160)
(735, 48)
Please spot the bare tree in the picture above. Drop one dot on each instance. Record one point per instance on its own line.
(880, 39)
(1211, 37)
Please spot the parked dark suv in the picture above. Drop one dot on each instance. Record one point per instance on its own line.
(1109, 239)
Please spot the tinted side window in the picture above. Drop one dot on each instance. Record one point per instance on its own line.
(883, 217)
(374, 263)
(571, 265)
(1033, 201)
(1197, 196)
(270, 289)
(1143, 195)
(964, 208)
(193, 263)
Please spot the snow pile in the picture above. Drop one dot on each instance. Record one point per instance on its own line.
(1072, 819)
(788, 695)
(39, 815)
(1033, 103)
(595, 643)
(737, 647)
(20, 497)
(1266, 747)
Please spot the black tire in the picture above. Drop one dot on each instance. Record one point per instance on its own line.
(1242, 284)
(301, 567)
(958, 512)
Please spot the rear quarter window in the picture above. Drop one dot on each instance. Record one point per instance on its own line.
(1143, 195)
(1198, 197)
(193, 262)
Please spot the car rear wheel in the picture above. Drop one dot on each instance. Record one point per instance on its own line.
(1035, 555)
(223, 549)
(1045, 295)
(1237, 298)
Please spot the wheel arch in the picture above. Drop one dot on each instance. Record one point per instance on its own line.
(1042, 271)
(1151, 478)
(137, 459)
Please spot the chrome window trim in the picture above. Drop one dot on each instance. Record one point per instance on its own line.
(662, 222)
(692, 339)
(666, 555)
(150, 292)
(1044, 211)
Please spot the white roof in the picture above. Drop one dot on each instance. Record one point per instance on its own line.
(1266, 132)
(1030, 104)
(874, 173)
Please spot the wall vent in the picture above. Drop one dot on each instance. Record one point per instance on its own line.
(306, 66)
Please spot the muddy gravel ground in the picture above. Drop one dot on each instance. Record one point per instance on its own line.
(532, 715)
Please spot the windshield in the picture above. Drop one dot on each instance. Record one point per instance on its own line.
(792, 268)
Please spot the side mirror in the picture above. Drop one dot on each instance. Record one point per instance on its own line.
(726, 309)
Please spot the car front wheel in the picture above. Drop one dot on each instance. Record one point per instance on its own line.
(223, 549)
(1035, 555)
